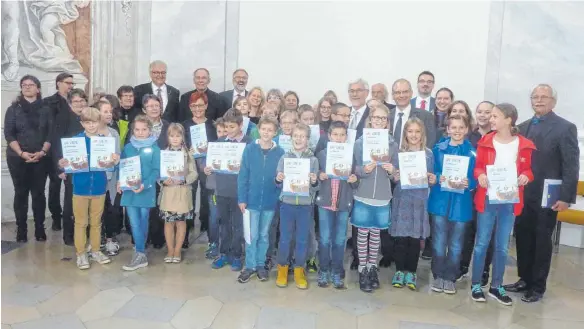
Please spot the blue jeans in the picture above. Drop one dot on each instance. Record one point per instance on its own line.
(333, 234)
(213, 232)
(294, 220)
(501, 218)
(447, 240)
(139, 223)
(255, 252)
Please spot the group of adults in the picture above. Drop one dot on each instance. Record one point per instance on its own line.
(34, 126)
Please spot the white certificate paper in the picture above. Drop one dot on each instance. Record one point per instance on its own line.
(375, 146)
(503, 186)
(101, 150)
(225, 158)
(413, 173)
(314, 136)
(285, 142)
(130, 173)
(75, 151)
(199, 140)
(172, 165)
(339, 160)
(296, 177)
(455, 169)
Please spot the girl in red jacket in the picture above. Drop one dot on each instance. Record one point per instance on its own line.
(502, 148)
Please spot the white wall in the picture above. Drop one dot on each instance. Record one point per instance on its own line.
(310, 47)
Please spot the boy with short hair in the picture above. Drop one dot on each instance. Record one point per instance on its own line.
(230, 216)
(295, 212)
(213, 232)
(89, 190)
(258, 193)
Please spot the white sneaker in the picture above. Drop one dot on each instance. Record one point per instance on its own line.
(112, 248)
(99, 257)
(139, 260)
(82, 261)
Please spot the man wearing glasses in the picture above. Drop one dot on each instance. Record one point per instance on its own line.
(358, 92)
(157, 86)
(424, 100)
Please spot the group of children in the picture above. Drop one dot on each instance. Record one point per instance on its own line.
(371, 199)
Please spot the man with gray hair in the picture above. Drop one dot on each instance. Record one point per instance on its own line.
(167, 94)
(358, 92)
(557, 157)
(379, 92)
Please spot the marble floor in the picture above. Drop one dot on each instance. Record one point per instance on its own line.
(42, 288)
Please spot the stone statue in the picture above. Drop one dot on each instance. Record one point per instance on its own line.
(32, 36)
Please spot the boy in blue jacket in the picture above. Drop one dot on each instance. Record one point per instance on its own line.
(258, 193)
(89, 196)
(451, 210)
(229, 213)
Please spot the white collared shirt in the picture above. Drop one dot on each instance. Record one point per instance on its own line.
(237, 94)
(405, 118)
(356, 116)
(419, 100)
(163, 93)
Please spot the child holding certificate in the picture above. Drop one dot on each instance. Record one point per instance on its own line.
(89, 189)
(496, 152)
(175, 199)
(334, 201)
(409, 211)
(450, 202)
(296, 206)
(371, 211)
(139, 200)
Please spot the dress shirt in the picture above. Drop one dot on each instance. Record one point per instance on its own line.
(356, 116)
(163, 94)
(419, 100)
(406, 111)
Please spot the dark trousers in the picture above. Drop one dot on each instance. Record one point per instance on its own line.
(28, 178)
(533, 236)
(54, 192)
(68, 220)
(110, 218)
(156, 224)
(231, 227)
(203, 204)
(468, 247)
(407, 253)
(121, 216)
(386, 245)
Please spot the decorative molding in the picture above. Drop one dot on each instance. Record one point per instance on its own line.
(126, 10)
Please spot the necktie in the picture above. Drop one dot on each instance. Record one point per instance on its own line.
(159, 95)
(355, 121)
(535, 120)
(398, 129)
(423, 105)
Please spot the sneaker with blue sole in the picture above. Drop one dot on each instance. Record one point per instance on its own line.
(398, 279)
(220, 262)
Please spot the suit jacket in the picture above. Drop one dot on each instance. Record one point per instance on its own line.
(389, 106)
(361, 124)
(557, 157)
(426, 117)
(228, 96)
(430, 109)
(216, 108)
(171, 109)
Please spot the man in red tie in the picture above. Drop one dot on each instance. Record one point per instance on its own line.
(424, 100)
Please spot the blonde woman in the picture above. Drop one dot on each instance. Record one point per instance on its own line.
(256, 100)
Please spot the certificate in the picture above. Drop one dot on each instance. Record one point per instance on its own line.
(376, 146)
(172, 165)
(454, 169)
(130, 173)
(199, 140)
(502, 184)
(339, 160)
(75, 151)
(100, 153)
(225, 158)
(296, 177)
(314, 136)
(413, 171)
(285, 142)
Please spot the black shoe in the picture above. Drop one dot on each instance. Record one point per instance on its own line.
(185, 244)
(245, 275)
(427, 253)
(518, 286)
(21, 237)
(68, 241)
(56, 226)
(477, 294)
(385, 262)
(157, 245)
(350, 243)
(263, 274)
(40, 236)
(500, 295)
(364, 283)
(531, 297)
(355, 264)
(373, 278)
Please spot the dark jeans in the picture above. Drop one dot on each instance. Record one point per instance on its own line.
(407, 253)
(447, 239)
(213, 231)
(274, 232)
(156, 224)
(231, 227)
(28, 178)
(203, 205)
(467, 249)
(54, 192)
(110, 218)
(294, 227)
(533, 237)
(68, 220)
(331, 244)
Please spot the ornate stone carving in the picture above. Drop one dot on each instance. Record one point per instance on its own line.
(126, 10)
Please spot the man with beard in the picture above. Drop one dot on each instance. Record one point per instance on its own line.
(240, 78)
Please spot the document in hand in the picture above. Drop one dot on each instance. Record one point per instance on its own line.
(199, 140)
(101, 151)
(413, 171)
(75, 151)
(376, 146)
(130, 173)
(225, 158)
(339, 160)
(551, 192)
(172, 165)
(455, 169)
(503, 186)
(296, 177)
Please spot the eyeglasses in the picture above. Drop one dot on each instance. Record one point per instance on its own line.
(356, 91)
(378, 118)
(430, 82)
(401, 92)
(198, 106)
(325, 107)
(543, 98)
(27, 85)
(70, 83)
(296, 136)
(158, 72)
(273, 97)
(152, 107)
(343, 115)
(79, 101)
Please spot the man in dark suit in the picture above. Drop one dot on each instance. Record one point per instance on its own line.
(424, 100)
(379, 92)
(240, 77)
(217, 105)
(557, 157)
(358, 92)
(167, 93)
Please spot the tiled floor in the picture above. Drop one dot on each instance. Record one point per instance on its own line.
(42, 289)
